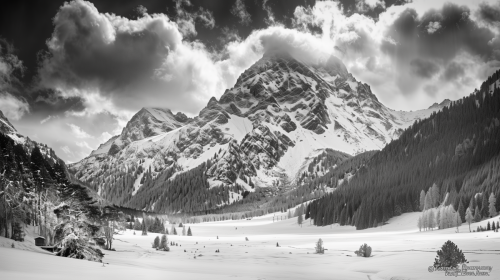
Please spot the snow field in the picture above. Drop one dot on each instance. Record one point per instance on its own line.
(399, 252)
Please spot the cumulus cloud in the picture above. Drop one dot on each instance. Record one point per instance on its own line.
(13, 107)
(11, 104)
(186, 20)
(108, 59)
(239, 10)
(110, 66)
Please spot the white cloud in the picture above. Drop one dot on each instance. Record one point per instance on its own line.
(46, 119)
(13, 108)
(78, 132)
(433, 26)
(240, 10)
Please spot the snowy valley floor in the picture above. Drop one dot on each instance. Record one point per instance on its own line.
(399, 252)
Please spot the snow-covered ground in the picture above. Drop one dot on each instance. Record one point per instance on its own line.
(399, 252)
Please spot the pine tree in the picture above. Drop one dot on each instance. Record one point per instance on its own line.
(435, 195)
(164, 243)
(449, 256)
(488, 226)
(156, 243)
(319, 247)
(493, 227)
(469, 217)
(484, 204)
(189, 232)
(477, 215)
(461, 209)
(144, 230)
(175, 231)
(458, 220)
(492, 202)
(422, 200)
(299, 220)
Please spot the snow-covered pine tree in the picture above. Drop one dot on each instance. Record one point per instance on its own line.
(156, 242)
(469, 217)
(319, 247)
(458, 220)
(189, 233)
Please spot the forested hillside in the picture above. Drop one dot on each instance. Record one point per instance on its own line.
(35, 189)
(457, 149)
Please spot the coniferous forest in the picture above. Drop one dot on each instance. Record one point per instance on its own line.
(457, 149)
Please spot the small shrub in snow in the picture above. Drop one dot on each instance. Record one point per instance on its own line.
(156, 242)
(449, 256)
(364, 251)
(246, 238)
(319, 247)
(163, 244)
(13, 245)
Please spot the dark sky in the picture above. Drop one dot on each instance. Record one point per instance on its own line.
(27, 24)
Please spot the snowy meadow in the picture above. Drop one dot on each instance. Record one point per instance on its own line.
(220, 250)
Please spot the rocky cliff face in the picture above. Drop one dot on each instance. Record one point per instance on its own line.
(278, 113)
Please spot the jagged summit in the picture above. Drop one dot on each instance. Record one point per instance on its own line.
(444, 103)
(278, 113)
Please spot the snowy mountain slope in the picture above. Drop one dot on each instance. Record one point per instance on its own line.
(277, 114)
(8, 129)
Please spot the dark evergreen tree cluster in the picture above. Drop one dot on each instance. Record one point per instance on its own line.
(456, 148)
(187, 192)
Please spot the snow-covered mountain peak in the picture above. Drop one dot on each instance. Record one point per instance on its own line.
(279, 112)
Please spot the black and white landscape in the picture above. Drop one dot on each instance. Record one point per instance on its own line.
(248, 139)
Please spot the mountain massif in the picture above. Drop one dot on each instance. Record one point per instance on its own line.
(260, 135)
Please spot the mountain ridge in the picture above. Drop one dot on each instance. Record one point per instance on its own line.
(262, 129)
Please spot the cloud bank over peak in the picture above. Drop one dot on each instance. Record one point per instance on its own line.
(101, 68)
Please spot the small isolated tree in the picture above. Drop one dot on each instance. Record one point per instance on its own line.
(468, 216)
(449, 256)
(488, 226)
(156, 243)
(164, 243)
(144, 230)
(246, 238)
(300, 220)
(189, 232)
(319, 247)
(174, 231)
(364, 251)
(277, 245)
(492, 209)
(458, 220)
